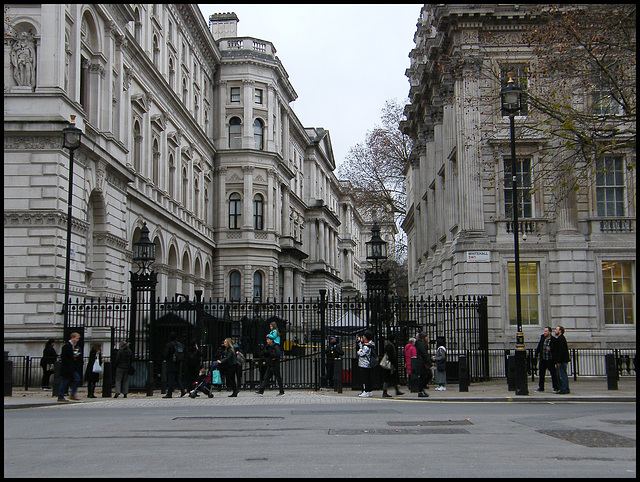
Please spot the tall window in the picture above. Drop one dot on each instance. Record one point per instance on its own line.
(137, 147)
(235, 133)
(257, 286)
(524, 178)
(617, 284)
(610, 187)
(155, 168)
(258, 96)
(235, 210)
(521, 78)
(258, 128)
(529, 293)
(258, 212)
(235, 94)
(234, 286)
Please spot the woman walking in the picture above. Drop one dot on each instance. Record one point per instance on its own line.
(47, 362)
(124, 361)
(229, 364)
(441, 365)
(89, 375)
(390, 377)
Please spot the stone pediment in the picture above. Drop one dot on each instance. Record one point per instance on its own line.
(140, 102)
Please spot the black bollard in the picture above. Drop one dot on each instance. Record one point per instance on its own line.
(463, 374)
(163, 378)
(511, 373)
(150, 379)
(612, 371)
(107, 379)
(8, 375)
(337, 375)
(57, 367)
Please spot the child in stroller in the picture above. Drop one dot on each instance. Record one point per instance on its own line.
(205, 382)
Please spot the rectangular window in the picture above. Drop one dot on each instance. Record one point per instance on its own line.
(235, 94)
(529, 293)
(604, 103)
(610, 187)
(525, 187)
(617, 283)
(258, 96)
(521, 78)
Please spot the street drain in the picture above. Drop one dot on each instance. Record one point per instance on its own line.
(228, 418)
(591, 438)
(399, 431)
(430, 423)
(620, 422)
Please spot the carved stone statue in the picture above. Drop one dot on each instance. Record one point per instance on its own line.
(23, 59)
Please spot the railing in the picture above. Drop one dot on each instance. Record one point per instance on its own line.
(303, 370)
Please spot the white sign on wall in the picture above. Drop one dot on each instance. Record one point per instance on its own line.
(478, 256)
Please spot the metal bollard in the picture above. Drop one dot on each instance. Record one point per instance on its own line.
(511, 373)
(163, 378)
(612, 371)
(337, 375)
(150, 379)
(8, 375)
(107, 379)
(463, 374)
(57, 367)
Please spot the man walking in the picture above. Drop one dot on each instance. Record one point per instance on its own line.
(424, 364)
(545, 350)
(272, 354)
(174, 356)
(71, 368)
(335, 352)
(561, 359)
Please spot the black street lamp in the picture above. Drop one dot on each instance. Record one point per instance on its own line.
(144, 251)
(511, 96)
(376, 247)
(143, 285)
(72, 138)
(377, 282)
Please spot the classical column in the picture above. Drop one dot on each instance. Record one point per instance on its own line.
(271, 176)
(321, 242)
(288, 283)
(247, 210)
(286, 212)
(247, 125)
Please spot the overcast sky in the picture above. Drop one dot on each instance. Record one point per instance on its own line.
(344, 61)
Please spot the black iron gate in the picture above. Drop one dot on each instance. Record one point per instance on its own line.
(305, 327)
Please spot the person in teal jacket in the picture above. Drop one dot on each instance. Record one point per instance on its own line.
(274, 334)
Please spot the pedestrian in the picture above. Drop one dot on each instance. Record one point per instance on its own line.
(229, 364)
(390, 377)
(123, 364)
(409, 353)
(241, 358)
(90, 375)
(440, 360)
(366, 354)
(71, 369)
(544, 350)
(47, 362)
(193, 364)
(174, 356)
(335, 352)
(561, 359)
(273, 352)
(274, 334)
(424, 364)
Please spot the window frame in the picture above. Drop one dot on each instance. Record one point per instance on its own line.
(626, 305)
(258, 137)
(258, 212)
(526, 198)
(257, 276)
(234, 95)
(235, 285)
(235, 210)
(617, 189)
(235, 135)
(530, 301)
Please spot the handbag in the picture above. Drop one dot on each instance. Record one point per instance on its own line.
(96, 366)
(386, 363)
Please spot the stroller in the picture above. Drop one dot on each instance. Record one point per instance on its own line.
(205, 382)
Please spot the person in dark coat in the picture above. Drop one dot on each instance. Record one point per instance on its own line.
(335, 351)
(544, 350)
(124, 362)
(272, 354)
(71, 369)
(89, 376)
(424, 367)
(49, 356)
(390, 377)
(561, 359)
(230, 365)
(173, 366)
(193, 363)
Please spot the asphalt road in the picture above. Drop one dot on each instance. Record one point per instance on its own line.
(371, 439)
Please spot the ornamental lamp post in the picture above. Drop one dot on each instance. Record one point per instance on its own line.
(377, 281)
(511, 96)
(144, 251)
(376, 247)
(72, 138)
(143, 286)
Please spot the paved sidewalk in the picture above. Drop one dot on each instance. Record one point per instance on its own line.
(585, 389)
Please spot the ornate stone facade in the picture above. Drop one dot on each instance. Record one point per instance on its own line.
(182, 130)
(458, 228)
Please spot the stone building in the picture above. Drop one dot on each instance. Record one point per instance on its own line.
(187, 128)
(578, 262)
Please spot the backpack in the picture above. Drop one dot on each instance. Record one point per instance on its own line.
(240, 357)
(373, 357)
(178, 352)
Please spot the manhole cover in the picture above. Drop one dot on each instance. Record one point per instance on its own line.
(591, 438)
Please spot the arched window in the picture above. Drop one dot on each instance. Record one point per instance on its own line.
(172, 177)
(258, 212)
(137, 147)
(185, 188)
(172, 74)
(137, 34)
(234, 285)
(235, 210)
(258, 128)
(155, 168)
(257, 286)
(235, 133)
